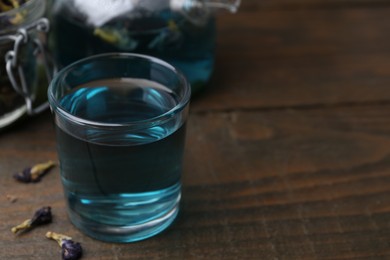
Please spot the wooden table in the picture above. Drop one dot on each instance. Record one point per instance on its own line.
(288, 149)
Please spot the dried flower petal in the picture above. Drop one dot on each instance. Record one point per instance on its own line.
(57, 237)
(70, 250)
(35, 173)
(24, 176)
(23, 226)
(8, 5)
(41, 216)
(11, 198)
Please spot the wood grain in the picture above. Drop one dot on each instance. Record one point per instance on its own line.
(256, 5)
(284, 58)
(287, 153)
(291, 184)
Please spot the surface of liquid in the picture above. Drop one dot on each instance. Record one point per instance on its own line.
(115, 184)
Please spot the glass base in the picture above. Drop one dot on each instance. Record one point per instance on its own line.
(126, 233)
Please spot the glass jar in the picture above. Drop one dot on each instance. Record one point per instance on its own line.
(181, 32)
(22, 60)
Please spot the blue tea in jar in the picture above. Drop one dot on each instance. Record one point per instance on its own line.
(157, 28)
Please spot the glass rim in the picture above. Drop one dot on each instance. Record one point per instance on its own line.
(56, 106)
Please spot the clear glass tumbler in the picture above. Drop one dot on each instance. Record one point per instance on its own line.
(120, 124)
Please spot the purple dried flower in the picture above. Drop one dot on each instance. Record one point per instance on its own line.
(35, 173)
(41, 216)
(70, 250)
(24, 176)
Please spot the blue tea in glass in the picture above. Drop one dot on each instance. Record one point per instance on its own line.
(120, 123)
(181, 32)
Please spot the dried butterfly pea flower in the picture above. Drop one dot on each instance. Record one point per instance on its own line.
(6, 5)
(41, 216)
(11, 198)
(14, 18)
(70, 250)
(35, 173)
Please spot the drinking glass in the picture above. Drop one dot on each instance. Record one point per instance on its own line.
(120, 126)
